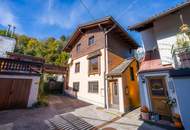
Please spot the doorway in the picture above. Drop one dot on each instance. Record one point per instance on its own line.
(113, 94)
(159, 95)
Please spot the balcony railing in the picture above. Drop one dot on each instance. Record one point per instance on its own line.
(16, 66)
(181, 57)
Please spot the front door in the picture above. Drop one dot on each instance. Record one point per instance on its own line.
(159, 95)
(113, 94)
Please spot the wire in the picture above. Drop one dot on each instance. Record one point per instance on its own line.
(84, 5)
(130, 6)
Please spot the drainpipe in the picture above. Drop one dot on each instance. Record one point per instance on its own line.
(106, 65)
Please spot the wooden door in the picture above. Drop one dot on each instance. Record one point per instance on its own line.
(159, 95)
(114, 94)
(14, 93)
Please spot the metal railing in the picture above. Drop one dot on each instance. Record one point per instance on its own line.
(181, 57)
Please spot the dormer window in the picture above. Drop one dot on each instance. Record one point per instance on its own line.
(78, 47)
(91, 41)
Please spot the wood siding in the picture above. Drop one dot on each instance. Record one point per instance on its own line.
(14, 93)
(85, 49)
(118, 50)
(130, 87)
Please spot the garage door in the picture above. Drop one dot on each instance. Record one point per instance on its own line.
(14, 93)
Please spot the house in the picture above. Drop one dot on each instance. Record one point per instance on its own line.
(164, 74)
(102, 69)
(7, 45)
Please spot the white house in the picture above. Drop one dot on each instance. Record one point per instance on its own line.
(164, 74)
(101, 61)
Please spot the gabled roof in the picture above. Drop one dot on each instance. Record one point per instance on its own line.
(118, 70)
(106, 22)
(149, 22)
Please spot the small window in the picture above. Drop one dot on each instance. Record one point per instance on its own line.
(91, 40)
(93, 65)
(77, 67)
(76, 86)
(132, 74)
(78, 47)
(130, 51)
(93, 87)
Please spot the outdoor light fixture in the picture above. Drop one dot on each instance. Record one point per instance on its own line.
(142, 78)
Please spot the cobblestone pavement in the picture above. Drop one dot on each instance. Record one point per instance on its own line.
(33, 119)
(66, 113)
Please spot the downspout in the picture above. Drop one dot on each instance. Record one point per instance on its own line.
(105, 65)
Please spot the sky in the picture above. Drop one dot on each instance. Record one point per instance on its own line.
(53, 18)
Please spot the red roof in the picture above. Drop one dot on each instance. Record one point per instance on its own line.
(152, 62)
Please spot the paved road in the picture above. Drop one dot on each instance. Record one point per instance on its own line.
(66, 113)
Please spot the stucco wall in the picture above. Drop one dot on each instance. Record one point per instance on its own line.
(33, 89)
(182, 89)
(164, 31)
(84, 78)
(149, 39)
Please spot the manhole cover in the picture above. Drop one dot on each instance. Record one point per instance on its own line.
(109, 128)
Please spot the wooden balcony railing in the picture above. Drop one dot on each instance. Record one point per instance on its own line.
(181, 58)
(8, 65)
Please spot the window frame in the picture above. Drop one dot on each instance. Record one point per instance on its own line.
(77, 68)
(90, 39)
(78, 86)
(90, 71)
(78, 47)
(132, 75)
(91, 88)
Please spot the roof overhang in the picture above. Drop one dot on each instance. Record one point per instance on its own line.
(103, 24)
(149, 22)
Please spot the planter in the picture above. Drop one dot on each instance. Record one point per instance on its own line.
(145, 115)
(184, 59)
(178, 124)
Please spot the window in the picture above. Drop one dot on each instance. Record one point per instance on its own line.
(78, 47)
(91, 40)
(76, 86)
(130, 50)
(93, 87)
(132, 74)
(94, 65)
(157, 87)
(77, 67)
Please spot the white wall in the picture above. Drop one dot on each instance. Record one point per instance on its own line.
(182, 89)
(33, 89)
(144, 91)
(6, 45)
(149, 39)
(166, 30)
(84, 78)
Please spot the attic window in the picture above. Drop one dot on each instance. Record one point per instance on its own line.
(91, 40)
(78, 47)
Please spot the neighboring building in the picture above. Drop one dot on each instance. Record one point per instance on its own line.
(7, 44)
(164, 74)
(102, 68)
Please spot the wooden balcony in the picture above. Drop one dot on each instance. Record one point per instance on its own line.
(14, 66)
(181, 58)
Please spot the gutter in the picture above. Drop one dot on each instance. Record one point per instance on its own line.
(106, 65)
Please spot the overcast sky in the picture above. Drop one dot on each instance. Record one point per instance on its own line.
(44, 18)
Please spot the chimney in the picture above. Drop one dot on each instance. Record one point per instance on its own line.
(13, 32)
(8, 30)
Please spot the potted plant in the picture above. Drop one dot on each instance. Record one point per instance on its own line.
(182, 48)
(144, 113)
(177, 120)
